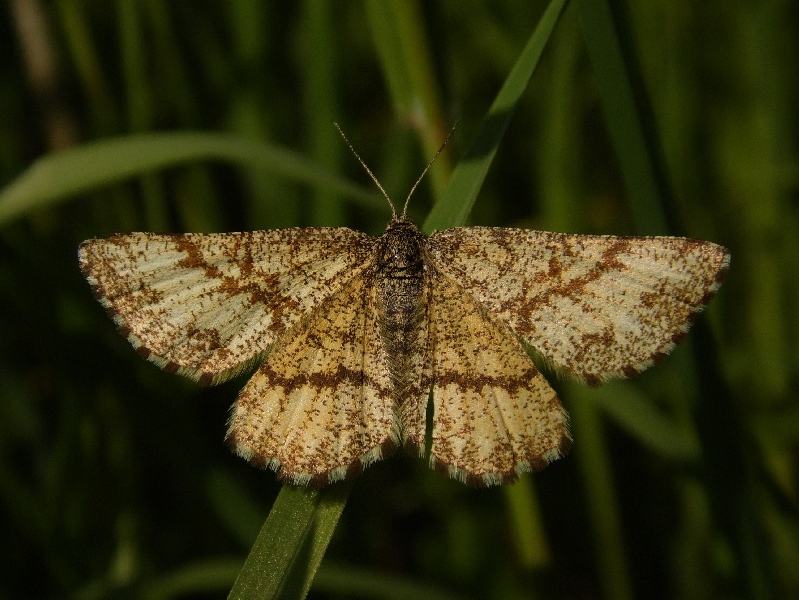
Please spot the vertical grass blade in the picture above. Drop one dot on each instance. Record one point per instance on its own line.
(401, 43)
(721, 433)
(527, 524)
(320, 97)
(593, 459)
(139, 107)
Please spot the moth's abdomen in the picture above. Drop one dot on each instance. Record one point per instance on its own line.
(401, 300)
(400, 307)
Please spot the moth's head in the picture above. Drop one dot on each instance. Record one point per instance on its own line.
(400, 223)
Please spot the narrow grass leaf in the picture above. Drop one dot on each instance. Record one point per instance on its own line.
(593, 459)
(211, 576)
(321, 66)
(236, 506)
(721, 434)
(628, 117)
(407, 62)
(290, 546)
(527, 524)
(58, 176)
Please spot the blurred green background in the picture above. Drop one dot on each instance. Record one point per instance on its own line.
(682, 483)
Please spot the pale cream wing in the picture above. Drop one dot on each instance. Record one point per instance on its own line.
(596, 306)
(320, 407)
(495, 416)
(207, 306)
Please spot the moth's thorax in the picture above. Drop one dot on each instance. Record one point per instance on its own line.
(400, 283)
(400, 253)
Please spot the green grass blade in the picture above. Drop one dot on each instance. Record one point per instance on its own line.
(527, 524)
(459, 197)
(210, 576)
(593, 460)
(321, 66)
(721, 434)
(139, 105)
(58, 176)
(291, 544)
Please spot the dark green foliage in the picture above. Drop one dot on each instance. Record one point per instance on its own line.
(645, 117)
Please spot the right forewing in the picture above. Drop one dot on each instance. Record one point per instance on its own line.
(596, 306)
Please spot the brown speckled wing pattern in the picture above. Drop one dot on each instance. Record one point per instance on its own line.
(355, 331)
(495, 416)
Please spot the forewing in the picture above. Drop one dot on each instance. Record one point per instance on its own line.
(207, 306)
(495, 416)
(320, 407)
(596, 306)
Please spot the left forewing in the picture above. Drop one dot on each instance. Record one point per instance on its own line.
(206, 306)
(598, 307)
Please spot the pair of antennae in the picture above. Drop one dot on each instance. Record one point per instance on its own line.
(418, 181)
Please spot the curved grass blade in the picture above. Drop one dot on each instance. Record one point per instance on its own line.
(211, 576)
(468, 177)
(55, 177)
(639, 417)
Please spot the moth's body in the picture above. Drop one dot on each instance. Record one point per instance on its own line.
(400, 282)
(354, 332)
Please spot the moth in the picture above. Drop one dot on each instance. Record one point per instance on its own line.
(356, 334)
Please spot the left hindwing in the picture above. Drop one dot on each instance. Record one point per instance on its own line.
(321, 406)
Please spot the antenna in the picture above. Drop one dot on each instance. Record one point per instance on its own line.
(430, 164)
(372, 175)
(418, 181)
